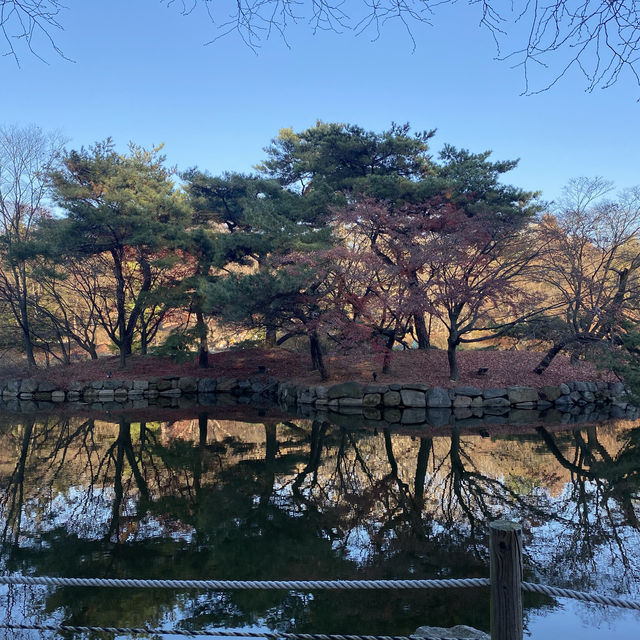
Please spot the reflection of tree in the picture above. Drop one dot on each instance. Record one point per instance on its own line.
(13, 496)
(601, 506)
(297, 500)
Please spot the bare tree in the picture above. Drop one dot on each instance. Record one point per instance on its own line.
(599, 38)
(28, 24)
(26, 157)
(592, 264)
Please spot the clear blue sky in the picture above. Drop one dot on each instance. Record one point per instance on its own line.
(142, 72)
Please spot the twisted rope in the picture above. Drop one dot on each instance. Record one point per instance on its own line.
(270, 635)
(580, 595)
(222, 585)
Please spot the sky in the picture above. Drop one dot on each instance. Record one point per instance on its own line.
(142, 72)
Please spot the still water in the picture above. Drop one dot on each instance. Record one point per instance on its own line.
(206, 497)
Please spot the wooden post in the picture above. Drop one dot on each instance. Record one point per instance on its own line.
(505, 548)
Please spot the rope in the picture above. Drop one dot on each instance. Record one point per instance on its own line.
(270, 635)
(580, 595)
(221, 585)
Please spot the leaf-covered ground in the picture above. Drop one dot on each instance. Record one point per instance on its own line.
(505, 368)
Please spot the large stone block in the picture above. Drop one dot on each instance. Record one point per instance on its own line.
(226, 384)
(28, 385)
(207, 385)
(550, 392)
(522, 394)
(494, 393)
(391, 399)
(468, 391)
(413, 398)
(164, 385)
(416, 386)
(306, 397)
(496, 402)
(438, 398)
(345, 390)
(372, 400)
(376, 388)
(188, 384)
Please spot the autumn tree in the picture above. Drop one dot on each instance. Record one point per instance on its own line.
(466, 270)
(403, 226)
(332, 165)
(125, 210)
(592, 266)
(479, 268)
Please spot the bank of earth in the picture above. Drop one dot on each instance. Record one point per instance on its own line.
(491, 381)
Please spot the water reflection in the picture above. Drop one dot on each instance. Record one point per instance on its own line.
(293, 498)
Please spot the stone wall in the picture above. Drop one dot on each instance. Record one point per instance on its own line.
(30, 394)
(410, 403)
(394, 403)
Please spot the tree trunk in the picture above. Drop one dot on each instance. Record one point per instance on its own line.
(270, 338)
(26, 332)
(386, 360)
(143, 339)
(550, 355)
(453, 360)
(422, 334)
(317, 361)
(203, 348)
(120, 308)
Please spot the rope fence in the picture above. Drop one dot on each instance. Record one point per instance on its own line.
(505, 582)
(227, 585)
(303, 585)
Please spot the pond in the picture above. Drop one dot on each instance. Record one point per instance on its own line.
(251, 496)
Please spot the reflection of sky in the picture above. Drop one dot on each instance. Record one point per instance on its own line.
(572, 620)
